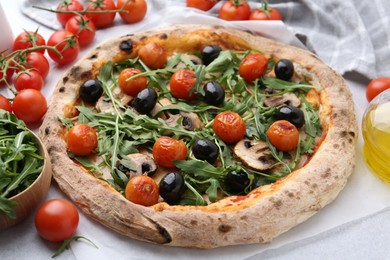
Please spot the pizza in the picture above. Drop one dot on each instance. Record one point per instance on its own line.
(234, 138)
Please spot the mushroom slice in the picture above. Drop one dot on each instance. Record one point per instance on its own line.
(138, 164)
(191, 121)
(254, 154)
(104, 105)
(285, 99)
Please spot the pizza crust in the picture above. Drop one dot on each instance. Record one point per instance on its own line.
(257, 217)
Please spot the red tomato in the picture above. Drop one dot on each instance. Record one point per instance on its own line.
(83, 28)
(181, 84)
(82, 139)
(253, 66)
(136, 10)
(67, 44)
(167, 149)
(133, 86)
(235, 10)
(376, 86)
(101, 20)
(229, 126)
(203, 5)
(36, 60)
(5, 104)
(261, 14)
(142, 190)
(27, 40)
(29, 105)
(283, 135)
(30, 79)
(56, 220)
(68, 6)
(153, 55)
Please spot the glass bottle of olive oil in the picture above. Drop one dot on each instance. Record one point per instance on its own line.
(376, 134)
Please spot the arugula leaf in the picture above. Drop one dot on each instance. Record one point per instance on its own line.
(278, 84)
(200, 169)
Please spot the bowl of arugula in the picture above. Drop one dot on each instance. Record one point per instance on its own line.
(25, 170)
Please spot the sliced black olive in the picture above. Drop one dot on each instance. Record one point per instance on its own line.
(145, 100)
(284, 69)
(210, 53)
(237, 181)
(171, 187)
(292, 114)
(204, 149)
(91, 90)
(214, 93)
(126, 46)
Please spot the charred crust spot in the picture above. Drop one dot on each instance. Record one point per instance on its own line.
(247, 144)
(164, 233)
(290, 194)
(243, 217)
(65, 79)
(126, 46)
(278, 204)
(143, 38)
(224, 228)
(62, 89)
(343, 112)
(350, 140)
(47, 130)
(336, 146)
(314, 185)
(352, 134)
(343, 134)
(327, 173)
(75, 71)
(93, 56)
(163, 36)
(86, 74)
(194, 222)
(307, 183)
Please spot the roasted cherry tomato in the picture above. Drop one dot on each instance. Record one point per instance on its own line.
(68, 46)
(29, 105)
(167, 149)
(5, 104)
(56, 220)
(235, 10)
(136, 10)
(203, 5)
(82, 139)
(68, 6)
(376, 86)
(153, 55)
(27, 40)
(29, 79)
(262, 14)
(229, 126)
(142, 190)
(181, 84)
(283, 135)
(134, 86)
(101, 20)
(36, 60)
(83, 28)
(253, 66)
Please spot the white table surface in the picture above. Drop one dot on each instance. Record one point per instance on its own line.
(365, 235)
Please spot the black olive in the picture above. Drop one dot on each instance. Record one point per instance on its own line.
(292, 114)
(171, 187)
(126, 46)
(91, 90)
(237, 181)
(284, 69)
(204, 149)
(145, 100)
(214, 93)
(210, 53)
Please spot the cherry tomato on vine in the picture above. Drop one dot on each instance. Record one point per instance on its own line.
(253, 66)
(134, 86)
(68, 5)
(5, 104)
(167, 149)
(82, 140)
(235, 10)
(28, 80)
(142, 190)
(56, 220)
(203, 5)
(27, 40)
(261, 14)
(136, 10)
(8, 73)
(68, 46)
(29, 105)
(83, 28)
(229, 126)
(181, 83)
(376, 86)
(283, 135)
(36, 60)
(153, 55)
(101, 20)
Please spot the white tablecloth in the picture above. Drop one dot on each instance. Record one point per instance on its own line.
(353, 227)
